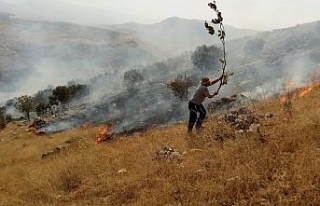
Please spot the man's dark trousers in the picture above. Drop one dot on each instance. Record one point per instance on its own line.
(193, 118)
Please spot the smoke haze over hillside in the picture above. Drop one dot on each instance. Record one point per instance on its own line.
(36, 53)
(257, 15)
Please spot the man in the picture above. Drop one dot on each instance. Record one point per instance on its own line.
(195, 103)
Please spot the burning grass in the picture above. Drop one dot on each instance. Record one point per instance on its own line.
(283, 169)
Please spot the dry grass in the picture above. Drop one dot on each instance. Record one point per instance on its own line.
(279, 166)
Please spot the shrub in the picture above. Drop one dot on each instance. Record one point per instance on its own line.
(180, 86)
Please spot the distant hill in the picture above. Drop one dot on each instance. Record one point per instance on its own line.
(59, 51)
(287, 54)
(175, 35)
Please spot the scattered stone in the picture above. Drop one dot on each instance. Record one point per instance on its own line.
(58, 148)
(269, 115)
(254, 128)
(169, 154)
(227, 102)
(196, 150)
(85, 126)
(22, 123)
(233, 178)
(122, 171)
(240, 119)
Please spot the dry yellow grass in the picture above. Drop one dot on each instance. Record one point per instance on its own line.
(281, 166)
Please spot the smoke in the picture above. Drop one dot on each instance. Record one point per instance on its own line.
(59, 52)
(35, 54)
(290, 54)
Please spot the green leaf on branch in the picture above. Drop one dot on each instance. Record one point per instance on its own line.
(206, 24)
(213, 5)
(209, 28)
(222, 61)
(215, 21)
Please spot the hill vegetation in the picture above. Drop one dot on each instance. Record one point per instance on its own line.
(275, 165)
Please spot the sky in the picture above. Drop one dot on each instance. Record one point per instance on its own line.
(251, 14)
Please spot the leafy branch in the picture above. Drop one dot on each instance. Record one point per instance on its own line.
(222, 35)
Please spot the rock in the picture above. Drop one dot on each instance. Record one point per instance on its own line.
(269, 115)
(240, 119)
(122, 171)
(167, 153)
(196, 150)
(226, 102)
(58, 148)
(254, 128)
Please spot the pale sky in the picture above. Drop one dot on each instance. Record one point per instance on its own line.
(252, 14)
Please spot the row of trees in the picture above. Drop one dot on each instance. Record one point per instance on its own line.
(44, 100)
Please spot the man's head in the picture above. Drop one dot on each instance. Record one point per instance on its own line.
(205, 81)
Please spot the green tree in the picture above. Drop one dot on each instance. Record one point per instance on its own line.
(60, 94)
(42, 97)
(78, 90)
(206, 58)
(25, 104)
(41, 109)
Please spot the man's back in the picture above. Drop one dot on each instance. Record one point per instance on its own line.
(200, 94)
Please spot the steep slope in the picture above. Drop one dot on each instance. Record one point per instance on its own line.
(175, 35)
(276, 165)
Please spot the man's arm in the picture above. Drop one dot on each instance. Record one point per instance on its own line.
(215, 81)
(212, 95)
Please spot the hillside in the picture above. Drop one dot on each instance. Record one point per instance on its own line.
(264, 62)
(276, 164)
(176, 35)
(58, 52)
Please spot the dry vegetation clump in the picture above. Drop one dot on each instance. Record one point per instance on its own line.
(279, 165)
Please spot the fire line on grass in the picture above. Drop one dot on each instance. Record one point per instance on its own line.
(295, 93)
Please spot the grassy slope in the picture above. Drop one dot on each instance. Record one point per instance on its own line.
(282, 170)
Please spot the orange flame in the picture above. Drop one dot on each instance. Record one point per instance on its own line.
(304, 91)
(298, 92)
(103, 132)
(307, 89)
(282, 99)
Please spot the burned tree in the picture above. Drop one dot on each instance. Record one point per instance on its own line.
(180, 86)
